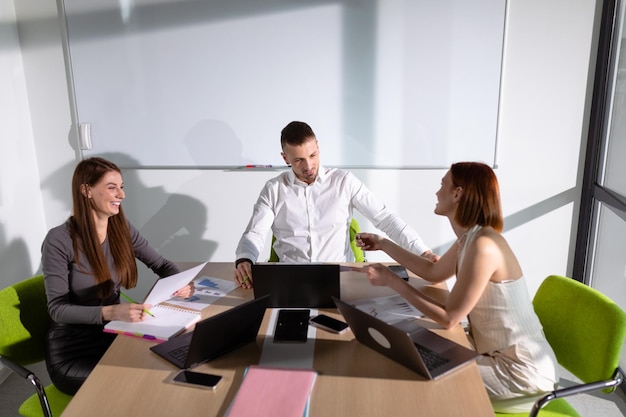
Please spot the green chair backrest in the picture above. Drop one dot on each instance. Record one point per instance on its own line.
(24, 321)
(359, 256)
(585, 328)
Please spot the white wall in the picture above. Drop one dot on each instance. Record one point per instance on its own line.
(21, 203)
(200, 214)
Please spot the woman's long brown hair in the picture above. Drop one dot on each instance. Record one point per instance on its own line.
(85, 238)
(480, 201)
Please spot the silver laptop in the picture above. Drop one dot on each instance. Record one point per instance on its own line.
(215, 336)
(309, 285)
(417, 348)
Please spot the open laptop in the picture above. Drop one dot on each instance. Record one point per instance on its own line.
(215, 336)
(421, 350)
(297, 285)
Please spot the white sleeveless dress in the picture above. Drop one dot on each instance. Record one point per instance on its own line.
(518, 365)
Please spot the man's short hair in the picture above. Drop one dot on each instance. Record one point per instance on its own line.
(295, 134)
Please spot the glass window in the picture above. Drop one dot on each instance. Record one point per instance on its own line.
(609, 265)
(606, 264)
(614, 177)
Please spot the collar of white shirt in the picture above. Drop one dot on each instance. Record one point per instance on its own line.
(322, 175)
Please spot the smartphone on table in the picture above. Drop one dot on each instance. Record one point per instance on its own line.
(292, 325)
(197, 379)
(328, 323)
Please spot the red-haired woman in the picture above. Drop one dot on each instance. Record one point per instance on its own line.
(517, 364)
(85, 263)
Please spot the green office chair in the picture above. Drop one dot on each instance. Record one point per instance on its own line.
(586, 330)
(24, 322)
(359, 256)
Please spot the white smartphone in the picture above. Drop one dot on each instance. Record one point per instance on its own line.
(328, 323)
(197, 379)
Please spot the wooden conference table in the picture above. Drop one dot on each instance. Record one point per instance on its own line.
(353, 379)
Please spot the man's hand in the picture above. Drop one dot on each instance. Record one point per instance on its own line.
(243, 274)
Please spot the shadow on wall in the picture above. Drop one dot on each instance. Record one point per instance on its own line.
(14, 260)
(210, 142)
(173, 223)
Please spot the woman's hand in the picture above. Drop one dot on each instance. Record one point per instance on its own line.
(369, 241)
(378, 274)
(125, 312)
(430, 255)
(187, 291)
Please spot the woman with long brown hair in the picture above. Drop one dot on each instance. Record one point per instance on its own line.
(516, 363)
(85, 262)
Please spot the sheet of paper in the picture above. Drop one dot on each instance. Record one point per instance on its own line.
(389, 309)
(208, 290)
(164, 288)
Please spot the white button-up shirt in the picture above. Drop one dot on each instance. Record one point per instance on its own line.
(311, 221)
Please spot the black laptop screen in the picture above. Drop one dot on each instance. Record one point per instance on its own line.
(297, 285)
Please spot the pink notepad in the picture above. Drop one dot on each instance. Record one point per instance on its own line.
(271, 392)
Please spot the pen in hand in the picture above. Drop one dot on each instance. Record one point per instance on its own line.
(246, 279)
(130, 300)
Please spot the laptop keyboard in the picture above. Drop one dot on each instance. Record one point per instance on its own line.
(432, 359)
(179, 353)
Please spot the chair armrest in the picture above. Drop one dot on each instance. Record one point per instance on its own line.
(32, 378)
(18, 369)
(615, 380)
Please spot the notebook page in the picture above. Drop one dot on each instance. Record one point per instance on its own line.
(166, 323)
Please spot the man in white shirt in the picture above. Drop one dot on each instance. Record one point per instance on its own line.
(309, 210)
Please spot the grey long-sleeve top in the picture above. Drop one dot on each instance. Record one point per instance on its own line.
(73, 294)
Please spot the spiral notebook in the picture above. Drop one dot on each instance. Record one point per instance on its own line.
(168, 321)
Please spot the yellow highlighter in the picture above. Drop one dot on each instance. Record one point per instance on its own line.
(130, 300)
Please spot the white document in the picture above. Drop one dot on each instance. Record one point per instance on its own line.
(390, 309)
(208, 290)
(164, 288)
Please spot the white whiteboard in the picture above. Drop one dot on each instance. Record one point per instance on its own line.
(198, 83)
